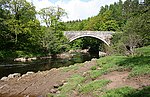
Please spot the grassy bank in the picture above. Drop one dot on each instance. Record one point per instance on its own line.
(89, 83)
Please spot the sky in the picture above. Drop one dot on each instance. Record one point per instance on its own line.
(76, 9)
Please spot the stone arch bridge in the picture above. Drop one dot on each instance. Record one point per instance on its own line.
(104, 36)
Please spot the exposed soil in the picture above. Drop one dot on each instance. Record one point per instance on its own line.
(120, 79)
(40, 83)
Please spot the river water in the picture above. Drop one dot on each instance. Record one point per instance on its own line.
(10, 67)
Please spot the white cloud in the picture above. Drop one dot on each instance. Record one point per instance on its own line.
(76, 9)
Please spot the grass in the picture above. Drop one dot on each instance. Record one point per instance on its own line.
(76, 83)
(92, 86)
(96, 73)
(93, 68)
(144, 51)
(119, 92)
(145, 92)
(139, 65)
(127, 92)
(72, 84)
(140, 70)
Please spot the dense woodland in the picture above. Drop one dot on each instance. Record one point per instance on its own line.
(22, 35)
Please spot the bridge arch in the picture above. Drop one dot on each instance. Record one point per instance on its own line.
(104, 36)
(77, 37)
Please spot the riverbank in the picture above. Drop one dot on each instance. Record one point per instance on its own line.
(40, 83)
(111, 76)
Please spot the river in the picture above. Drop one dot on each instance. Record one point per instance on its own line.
(10, 67)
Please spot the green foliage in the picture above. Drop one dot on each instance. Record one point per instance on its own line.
(51, 37)
(130, 18)
(21, 31)
(119, 92)
(92, 86)
(77, 44)
(51, 16)
(19, 27)
(136, 28)
(110, 18)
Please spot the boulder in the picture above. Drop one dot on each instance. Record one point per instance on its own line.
(53, 91)
(93, 59)
(20, 59)
(58, 92)
(58, 85)
(53, 69)
(4, 78)
(29, 73)
(102, 54)
(15, 75)
(31, 59)
(23, 75)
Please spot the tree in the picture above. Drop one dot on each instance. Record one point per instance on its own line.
(52, 38)
(22, 13)
(5, 36)
(51, 15)
(19, 25)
